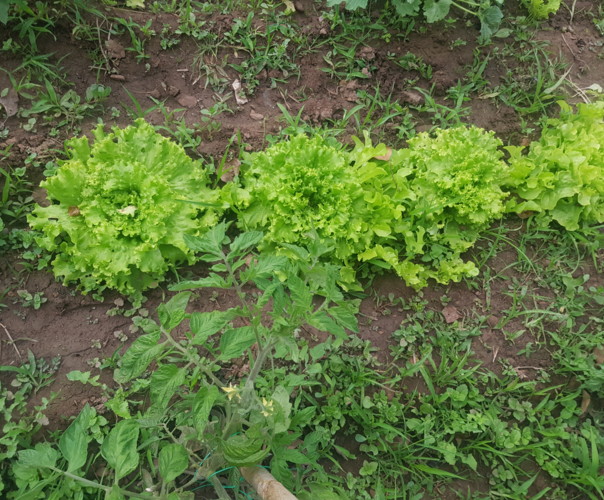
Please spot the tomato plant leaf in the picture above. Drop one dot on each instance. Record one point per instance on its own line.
(164, 383)
(204, 324)
(172, 312)
(74, 441)
(202, 405)
(137, 358)
(119, 448)
(173, 461)
(235, 341)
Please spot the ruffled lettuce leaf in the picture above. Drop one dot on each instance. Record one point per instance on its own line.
(414, 211)
(561, 177)
(120, 210)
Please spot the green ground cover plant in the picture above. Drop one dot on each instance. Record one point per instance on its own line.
(120, 208)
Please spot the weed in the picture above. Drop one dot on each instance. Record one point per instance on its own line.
(138, 42)
(442, 115)
(33, 300)
(67, 109)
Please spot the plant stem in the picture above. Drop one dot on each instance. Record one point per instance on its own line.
(191, 359)
(262, 355)
(222, 494)
(99, 486)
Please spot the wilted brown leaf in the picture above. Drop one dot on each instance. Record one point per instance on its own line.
(73, 211)
(585, 402)
(451, 314)
(386, 156)
(231, 170)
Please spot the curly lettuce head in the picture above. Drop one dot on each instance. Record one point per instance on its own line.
(120, 210)
(299, 186)
(561, 177)
(456, 177)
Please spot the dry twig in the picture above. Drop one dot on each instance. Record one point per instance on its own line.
(11, 341)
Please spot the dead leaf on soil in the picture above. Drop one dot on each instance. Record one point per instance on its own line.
(585, 402)
(115, 50)
(256, 116)
(289, 6)
(367, 53)
(231, 170)
(9, 100)
(73, 211)
(599, 355)
(412, 97)
(238, 91)
(188, 101)
(525, 215)
(492, 321)
(451, 314)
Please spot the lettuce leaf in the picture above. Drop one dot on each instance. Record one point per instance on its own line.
(456, 178)
(414, 213)
(121, 208)
(562, 175)
(541, 9)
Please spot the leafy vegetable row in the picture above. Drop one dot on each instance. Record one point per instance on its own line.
(122, 208)
(488, 12)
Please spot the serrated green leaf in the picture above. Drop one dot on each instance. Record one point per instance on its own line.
(143, 351)
(173, 461)
(321, 321)
(118, 404)
(280, 410)
(241, 451)
(202, 406)
(344, 316)
(212, 281)
(205, 324)
(83, 378)
(235, 341)
(210, 243)
(407, 8)
(300, 294)
(173, 312)
(164, 383)
(264, 267)
(245, 241)
(303, 417)
(119, 448)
